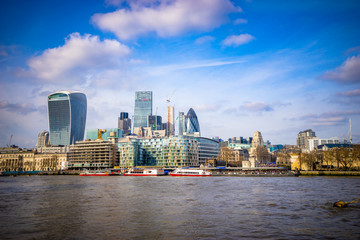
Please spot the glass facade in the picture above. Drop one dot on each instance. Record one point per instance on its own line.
(143, 108)
(208, 149)
(154, 122)
(67, 117)
(181, 123)
(165, 152)
(191, 122)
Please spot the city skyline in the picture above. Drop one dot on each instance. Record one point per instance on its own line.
(243, 66)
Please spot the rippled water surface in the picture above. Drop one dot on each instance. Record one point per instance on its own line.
(73, 207)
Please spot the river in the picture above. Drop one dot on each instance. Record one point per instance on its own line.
(73, 207)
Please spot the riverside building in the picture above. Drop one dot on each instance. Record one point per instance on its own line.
(93, 155)
(172, 152)
(67, 117)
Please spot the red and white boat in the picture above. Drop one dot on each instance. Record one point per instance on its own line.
(180, 172)
(94, 174)
(144, 172)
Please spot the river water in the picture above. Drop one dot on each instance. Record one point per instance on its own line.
(73, 207)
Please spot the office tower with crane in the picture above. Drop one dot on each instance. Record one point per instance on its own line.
(67, 117)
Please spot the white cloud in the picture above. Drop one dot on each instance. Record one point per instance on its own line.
(192, 65)
(351, 93)
(236, 40)
(256, 107)
(79, 53)
(204, 39)
(348, 72)
(165, 18)
(240, 21)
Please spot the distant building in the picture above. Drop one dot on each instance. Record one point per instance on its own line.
(313, 143)
(43, 139)
(181, 123)
(108, 133)
(148, 132)
(154, 122)
(170, 121)
(233, 157)
(303, 137)
(191, 122)
(143, 108)
(124, 123)
(67, 117)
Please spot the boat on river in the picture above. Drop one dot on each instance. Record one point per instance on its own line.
(188, 172)
(144, 172)
(94, 174)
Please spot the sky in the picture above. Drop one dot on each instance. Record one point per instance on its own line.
(278, 67)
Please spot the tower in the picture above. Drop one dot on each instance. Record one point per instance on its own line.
(191, 122)
(181, 123)
(43, 139)
(170, 121)
(143, 108)
(124, 123)
(67, 117)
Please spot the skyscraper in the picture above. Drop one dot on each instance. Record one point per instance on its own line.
(124, 123)
(67, 117)
(43, 139)
(143, 108)
(181, 123)
(170, 121)
(154, 122)
(191, 122)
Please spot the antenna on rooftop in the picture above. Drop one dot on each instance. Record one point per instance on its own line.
(350, 131)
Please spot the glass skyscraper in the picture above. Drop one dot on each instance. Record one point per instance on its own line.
(67, 117)
(143, 108)
(191, 122)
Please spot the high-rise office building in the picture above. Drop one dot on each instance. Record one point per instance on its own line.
(170, 121)
(143, 108)
(67, 117)
(124, 123)
(191, 122)
(154, 122)
(181, 123)
(43, 139)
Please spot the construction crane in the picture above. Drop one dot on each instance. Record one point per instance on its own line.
(168, 100)
(8, 145)
(100, 133)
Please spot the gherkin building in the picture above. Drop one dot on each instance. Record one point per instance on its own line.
(191, 122)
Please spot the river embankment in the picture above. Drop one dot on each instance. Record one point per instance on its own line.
(330, 173)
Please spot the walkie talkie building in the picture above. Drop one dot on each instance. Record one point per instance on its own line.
(67, 117)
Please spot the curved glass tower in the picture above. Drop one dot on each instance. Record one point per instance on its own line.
(191, 122)
(67, 117)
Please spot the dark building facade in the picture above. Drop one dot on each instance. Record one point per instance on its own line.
(67, 117)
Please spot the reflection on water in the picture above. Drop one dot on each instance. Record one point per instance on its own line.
(72, 207)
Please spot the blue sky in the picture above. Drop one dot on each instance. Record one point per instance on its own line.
(278, 67)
